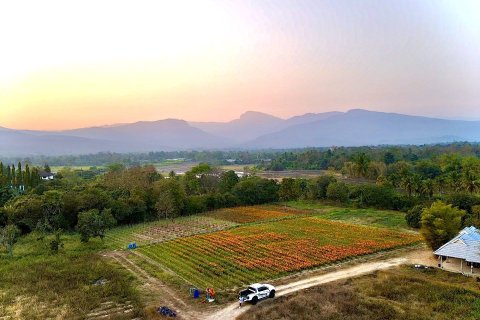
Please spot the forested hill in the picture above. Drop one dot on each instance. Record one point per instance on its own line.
(253, 130)
(361, 127)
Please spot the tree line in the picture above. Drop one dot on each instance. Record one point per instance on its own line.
(74, 201)
(278, 159)
(16, 177)
(91, 201)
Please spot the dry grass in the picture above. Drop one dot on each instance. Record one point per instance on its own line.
(403, 293)
(36, 284)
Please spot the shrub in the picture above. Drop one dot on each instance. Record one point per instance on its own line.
(473, 219)
(195, 204)
(317, 188)
(464, 201)
(8, 237)
(403, 202)
(255, 190)
(373, 195)
(414, 216)
(337, 191)
(289, 189)
(93, 223)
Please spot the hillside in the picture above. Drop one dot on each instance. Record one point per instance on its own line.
(361, 127)
(136, 137)
(254, 124)
(251, 130)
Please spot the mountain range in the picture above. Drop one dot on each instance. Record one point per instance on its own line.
(252, 130)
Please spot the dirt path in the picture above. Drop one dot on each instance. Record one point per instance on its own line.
(161, 292)
(155, 286)
(232, 311)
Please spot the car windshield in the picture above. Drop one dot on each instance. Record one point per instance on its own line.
(252, 289)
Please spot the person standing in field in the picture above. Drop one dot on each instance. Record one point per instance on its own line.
(240, 300)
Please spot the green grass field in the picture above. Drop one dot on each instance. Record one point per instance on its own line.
(60, 168)
(36, 284)
(375, 217)
(390, 219)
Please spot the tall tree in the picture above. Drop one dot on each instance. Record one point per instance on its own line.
(9, 175)
(93, 223)
(440, 223)
(14, 176)
(289, 190)
(170, 198)
(470, 177)
(34, 178)
(362, 162)
(389, 158)
(8, 237)
(27, 176)
(228, 180)
(19, 174)
(52, 217)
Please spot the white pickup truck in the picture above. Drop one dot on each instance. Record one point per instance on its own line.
(257, 291)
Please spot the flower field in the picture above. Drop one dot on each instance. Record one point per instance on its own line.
(255, 213)
(246, 254)
(162, 230)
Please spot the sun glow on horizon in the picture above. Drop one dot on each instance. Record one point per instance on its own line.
(59, 54)
(66, 64)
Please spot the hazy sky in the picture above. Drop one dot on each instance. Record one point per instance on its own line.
(67, 64)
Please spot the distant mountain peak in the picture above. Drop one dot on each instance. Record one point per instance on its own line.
(251, 130)
(255, 115)
(358, 110)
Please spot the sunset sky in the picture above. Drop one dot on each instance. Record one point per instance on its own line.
(66, 64)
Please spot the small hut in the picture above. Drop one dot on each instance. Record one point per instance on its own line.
(465, 248)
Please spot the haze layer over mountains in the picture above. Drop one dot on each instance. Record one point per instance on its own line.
(253, 130)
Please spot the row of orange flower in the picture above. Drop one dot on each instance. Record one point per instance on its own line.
(242, 254)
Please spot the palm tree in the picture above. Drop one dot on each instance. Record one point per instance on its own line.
(410, 183)
(469, 181)
(362, 162)
(426, 188)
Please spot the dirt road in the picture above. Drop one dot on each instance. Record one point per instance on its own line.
(161, 292)
(232, 311)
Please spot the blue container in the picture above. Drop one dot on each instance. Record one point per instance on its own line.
(196, 294)
(132, 245)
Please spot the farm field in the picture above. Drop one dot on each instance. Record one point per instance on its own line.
(256, 213)
(162, 230)
(246, 254)
(404, 293)
(59, 168)
(380, 218)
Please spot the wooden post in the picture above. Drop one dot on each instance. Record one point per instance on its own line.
(461, 265)
(471, 267)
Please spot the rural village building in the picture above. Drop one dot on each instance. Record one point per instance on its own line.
(465, 248)
(46, 175)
